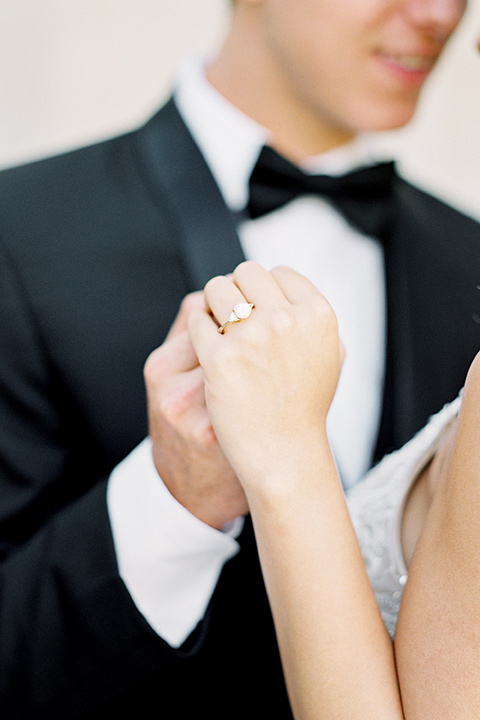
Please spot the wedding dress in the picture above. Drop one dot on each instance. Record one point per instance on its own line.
(376, 507)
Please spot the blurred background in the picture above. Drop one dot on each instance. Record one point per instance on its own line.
(76, 71)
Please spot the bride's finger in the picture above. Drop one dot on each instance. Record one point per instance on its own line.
(258, 285)
(296, 288)
(221, 296)
(203, 333)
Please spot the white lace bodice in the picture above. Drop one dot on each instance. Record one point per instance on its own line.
(376, 507)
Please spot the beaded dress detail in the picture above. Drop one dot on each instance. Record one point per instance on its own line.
(376, 507)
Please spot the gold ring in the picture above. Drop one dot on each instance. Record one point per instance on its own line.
(241, 311)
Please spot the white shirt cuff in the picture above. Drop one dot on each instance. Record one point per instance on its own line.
(169, 560)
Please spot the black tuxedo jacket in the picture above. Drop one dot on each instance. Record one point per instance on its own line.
(97, 249)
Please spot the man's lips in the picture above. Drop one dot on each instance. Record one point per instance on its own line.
(416, 65)
(415, 62)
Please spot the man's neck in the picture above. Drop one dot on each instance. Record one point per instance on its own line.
(296, 133)
(231, 141)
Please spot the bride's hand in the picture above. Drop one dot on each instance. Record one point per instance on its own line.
(269, 379)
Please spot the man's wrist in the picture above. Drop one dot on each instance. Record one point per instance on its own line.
(169, 560)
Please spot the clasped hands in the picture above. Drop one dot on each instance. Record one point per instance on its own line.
(224, 408)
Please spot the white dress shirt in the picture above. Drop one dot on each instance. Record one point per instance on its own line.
(169, 560)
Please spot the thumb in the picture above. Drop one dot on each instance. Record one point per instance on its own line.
(193, 301)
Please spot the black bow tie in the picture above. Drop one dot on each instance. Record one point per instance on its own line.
(361, 196)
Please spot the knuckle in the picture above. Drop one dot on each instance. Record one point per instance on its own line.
(266, 329)
(282, 322)
(203, 434)
(170, 408)
(244, 268)
(213, 282)
(175, 401)
(191, 302)
(282, 271)
(155, 367)
(225, 355)
(324, 312)
(151, 366)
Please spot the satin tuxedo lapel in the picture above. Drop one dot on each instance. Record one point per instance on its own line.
(204, 230)
(201, 222)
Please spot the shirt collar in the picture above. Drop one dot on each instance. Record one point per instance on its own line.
(231, 142)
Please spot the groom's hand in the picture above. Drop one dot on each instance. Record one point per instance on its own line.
(186, 453)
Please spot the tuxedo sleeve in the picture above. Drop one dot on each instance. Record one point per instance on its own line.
(71, 636)
(169, 560)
